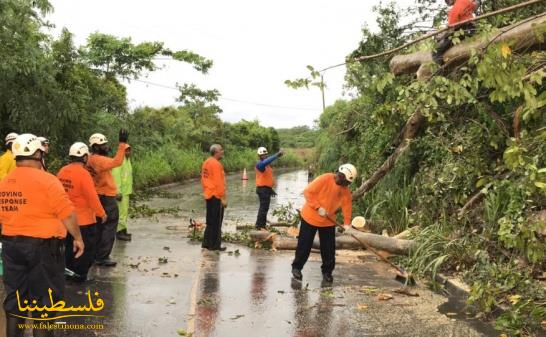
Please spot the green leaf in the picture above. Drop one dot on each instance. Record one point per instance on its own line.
(541, 185)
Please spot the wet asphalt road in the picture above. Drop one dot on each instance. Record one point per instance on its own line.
(165, 285)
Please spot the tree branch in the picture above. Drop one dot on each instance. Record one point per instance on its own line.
(427, 36)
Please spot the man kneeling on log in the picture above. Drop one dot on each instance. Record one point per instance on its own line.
(462, 10)
(324, 196)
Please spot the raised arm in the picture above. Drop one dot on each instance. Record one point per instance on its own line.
(262, 164)
(105, 163)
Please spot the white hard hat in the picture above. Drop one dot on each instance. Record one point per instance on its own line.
(44, 140)
(11, 137)
(97, 138)
(26, 145)
(78, 149)
(349, 171)
(262, 150)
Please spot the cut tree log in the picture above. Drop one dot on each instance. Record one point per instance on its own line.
(281, 224)
(407, 233)
(528, 34)
(256, 235)
(388, 244)
(344, 241)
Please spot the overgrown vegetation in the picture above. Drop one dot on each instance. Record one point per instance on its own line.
(52, 88)
(297, 137)
(485, 132)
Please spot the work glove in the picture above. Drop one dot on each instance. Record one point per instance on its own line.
(322, 212)
(273, 193)
(280, 153)
(123, 136)
(119, 197)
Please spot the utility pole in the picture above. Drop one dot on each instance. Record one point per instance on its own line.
(322, 91)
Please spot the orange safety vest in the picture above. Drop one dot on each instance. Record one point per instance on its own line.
(265, 178)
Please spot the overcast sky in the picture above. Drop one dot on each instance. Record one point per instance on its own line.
(255, 46)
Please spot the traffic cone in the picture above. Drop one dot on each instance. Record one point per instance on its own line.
(244, 175)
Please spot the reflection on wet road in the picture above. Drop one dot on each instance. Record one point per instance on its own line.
(164, 285)
(242, 198)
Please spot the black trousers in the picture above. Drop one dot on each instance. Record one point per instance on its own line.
(445, 42)
(31, 267)
(327, 236)
(82, 264)
(106, 232)
(264, 193)
(213, 231)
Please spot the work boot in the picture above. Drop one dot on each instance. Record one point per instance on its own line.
(327, 278)
(106, 263)
(296, 273)
(123, 236)
(78, 278)
(73, 276)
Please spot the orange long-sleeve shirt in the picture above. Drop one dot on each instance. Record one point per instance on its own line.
(213, 178)
(33, 203)
(102, 168)
(462, 10)
(80, 188)
(324, 192)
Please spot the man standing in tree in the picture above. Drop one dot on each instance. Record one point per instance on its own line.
(462, 10)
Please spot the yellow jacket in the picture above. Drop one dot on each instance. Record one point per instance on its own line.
(7, 164)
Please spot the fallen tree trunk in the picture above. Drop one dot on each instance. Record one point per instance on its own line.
(407, 233)
(380, 242)
(282, 224)
(528, 34)
(411, 128)
(344, 241)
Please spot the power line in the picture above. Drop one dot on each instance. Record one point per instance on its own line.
(233, 99)
(437, 32)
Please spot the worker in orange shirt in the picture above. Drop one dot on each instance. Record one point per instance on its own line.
(7, 160)
(264, 184)
(79, 186)
(214, 190)
(35, 214)
(324, 196)
(101, 167)
(462, 10)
